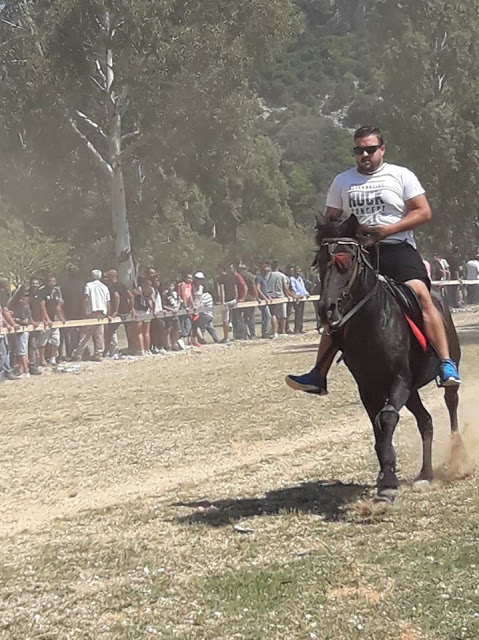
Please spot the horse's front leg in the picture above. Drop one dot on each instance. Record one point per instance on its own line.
(384, 415)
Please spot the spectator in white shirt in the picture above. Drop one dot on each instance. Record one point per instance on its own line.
(97, 305)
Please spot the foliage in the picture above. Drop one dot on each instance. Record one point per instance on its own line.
(427, 107)
(26, 250)
(258, 242)
(182, 73)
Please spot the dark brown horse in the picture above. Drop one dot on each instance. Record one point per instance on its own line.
(369, 326)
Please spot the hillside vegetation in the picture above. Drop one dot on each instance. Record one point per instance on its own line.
(213, 128)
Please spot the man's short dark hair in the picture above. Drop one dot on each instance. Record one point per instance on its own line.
(369, 130)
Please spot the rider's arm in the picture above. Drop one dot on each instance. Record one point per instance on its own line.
(418, 213)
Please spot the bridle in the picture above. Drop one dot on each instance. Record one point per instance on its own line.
(361, 262)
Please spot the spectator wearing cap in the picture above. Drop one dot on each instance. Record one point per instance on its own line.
(298, 287)
(96, 301)
(206, 316)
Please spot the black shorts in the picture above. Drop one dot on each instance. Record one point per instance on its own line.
(399, 261)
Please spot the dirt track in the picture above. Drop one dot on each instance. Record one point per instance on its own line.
(217, 420)
(100, 471)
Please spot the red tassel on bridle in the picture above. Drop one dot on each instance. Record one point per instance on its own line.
(342, 260)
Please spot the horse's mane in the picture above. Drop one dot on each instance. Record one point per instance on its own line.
(327, 229)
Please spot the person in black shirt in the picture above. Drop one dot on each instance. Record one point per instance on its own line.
(122, 305)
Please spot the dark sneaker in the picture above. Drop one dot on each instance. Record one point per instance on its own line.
(35, 371)
(449, 374)
(308, 382)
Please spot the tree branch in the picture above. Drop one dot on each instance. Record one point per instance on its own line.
(128, 150)
(130, 134)
(100, 86)
(100, 71)
(100, 159)
(92, 123)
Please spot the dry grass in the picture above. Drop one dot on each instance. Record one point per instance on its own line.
(198, 497)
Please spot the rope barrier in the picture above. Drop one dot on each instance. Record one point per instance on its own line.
(141, 316)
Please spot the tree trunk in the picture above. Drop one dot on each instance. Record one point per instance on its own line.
(121, 231)
(119, 219)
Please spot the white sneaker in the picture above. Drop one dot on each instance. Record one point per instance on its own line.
(24, 375)
(181, 344)
(275, 335)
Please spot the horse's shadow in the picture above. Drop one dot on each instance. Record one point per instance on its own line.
(323, 498)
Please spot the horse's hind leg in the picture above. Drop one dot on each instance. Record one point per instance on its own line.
(451, 396)
(424, 424)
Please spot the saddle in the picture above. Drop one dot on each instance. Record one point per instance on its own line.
(409, 303)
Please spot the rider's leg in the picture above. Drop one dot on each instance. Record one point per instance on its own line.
(435, 331)
(315, 380)
(433, 324)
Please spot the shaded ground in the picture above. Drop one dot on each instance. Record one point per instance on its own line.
(198, 497)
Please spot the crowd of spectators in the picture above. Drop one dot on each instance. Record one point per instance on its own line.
(158, 316)
(161, 316)
(451, 266)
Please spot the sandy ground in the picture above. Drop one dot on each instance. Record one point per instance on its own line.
(214, 424)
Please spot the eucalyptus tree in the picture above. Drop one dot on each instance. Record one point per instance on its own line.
(154, 91)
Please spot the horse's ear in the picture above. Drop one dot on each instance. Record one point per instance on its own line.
(351, 228)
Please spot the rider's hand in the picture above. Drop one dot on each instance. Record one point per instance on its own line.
(375, 234)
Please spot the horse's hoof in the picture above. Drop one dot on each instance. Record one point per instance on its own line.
(421, 485)
(387, 496)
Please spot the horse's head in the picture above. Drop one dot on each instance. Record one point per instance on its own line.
(340, 259)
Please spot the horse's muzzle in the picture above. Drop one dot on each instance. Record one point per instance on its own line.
(329, 314)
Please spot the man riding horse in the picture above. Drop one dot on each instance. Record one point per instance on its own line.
(390, 202)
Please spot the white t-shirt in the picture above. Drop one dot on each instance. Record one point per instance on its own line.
(472, 270)
(378, 198)
(98, 297)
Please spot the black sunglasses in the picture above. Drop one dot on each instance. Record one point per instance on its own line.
(358, 151)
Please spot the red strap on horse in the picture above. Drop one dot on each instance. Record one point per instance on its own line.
(418, 334)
